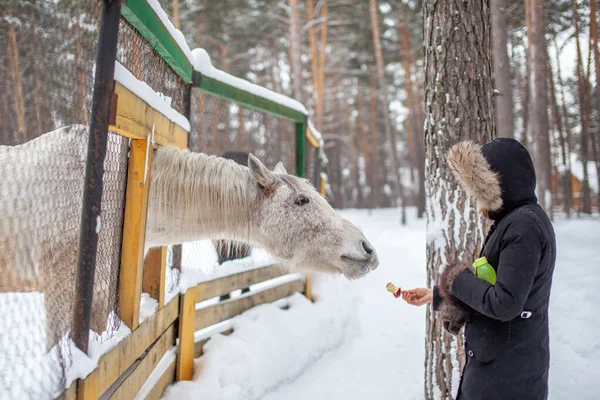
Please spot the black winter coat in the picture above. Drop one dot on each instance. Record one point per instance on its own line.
(507, 334)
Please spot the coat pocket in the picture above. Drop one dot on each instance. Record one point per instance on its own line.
(486, 338)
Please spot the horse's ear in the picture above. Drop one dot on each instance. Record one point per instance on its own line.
(259, 172)
(280, 169)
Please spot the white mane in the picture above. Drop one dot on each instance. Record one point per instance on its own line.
(195, 196)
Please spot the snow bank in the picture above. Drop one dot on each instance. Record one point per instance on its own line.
(158, 101)
(27, 370)
(573, 315)
(203, 64)
(271, 346)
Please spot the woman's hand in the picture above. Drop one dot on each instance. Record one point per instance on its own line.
(418, 296)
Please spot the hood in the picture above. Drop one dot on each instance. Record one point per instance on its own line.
(499, 175)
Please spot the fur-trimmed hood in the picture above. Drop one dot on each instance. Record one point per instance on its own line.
(499, 175)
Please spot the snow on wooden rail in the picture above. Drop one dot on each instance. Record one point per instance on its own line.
(157, 101)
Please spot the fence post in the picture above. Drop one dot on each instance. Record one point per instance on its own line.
(134, 231)
(300, 149)
(187, 326)
(154, 274)
(92, 191)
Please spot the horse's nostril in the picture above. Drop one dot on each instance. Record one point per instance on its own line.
(367, 247)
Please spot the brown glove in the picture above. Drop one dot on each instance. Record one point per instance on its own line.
(453, 312)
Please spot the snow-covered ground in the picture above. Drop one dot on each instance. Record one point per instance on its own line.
(358, 342)
(382, 355)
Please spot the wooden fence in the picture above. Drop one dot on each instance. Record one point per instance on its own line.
(169, 334)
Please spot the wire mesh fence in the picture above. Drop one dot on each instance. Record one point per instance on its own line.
(104, 320)
(136, 54)
(220, 125)
(39, 236)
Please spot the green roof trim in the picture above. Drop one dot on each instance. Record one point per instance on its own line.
(220, 89)
(143, 18)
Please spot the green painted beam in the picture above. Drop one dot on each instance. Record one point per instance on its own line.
(248, 99)
(143, 18)
(301, 149)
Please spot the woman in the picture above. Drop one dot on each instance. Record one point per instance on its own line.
(507, 323)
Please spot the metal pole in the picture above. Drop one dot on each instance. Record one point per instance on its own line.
(92, 191)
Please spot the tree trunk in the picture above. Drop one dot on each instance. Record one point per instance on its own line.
(14, 60)
(421, 143)
(565, 177)
(501, 69)
(595, 135)
(37, 101)
(336, 161)
(459, 105)
(568, 180)
(538, 97)
(358, 145)
(372, 165)
(176, 21)
(389, 134)
(323, 59)
(7, 136)
(350, 133)
(318, 58)
(526, 83)
(585, 204)
(314, 62)
(295, 61)
(414, 123)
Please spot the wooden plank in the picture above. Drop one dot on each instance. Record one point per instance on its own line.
(154, 275)
(117, 360)
(165, 380)
(228, 309)
(134, 232)
(227, 284)
(136, 119)
(199, 346)
(87, 389)
(138, 376)
(308, 287)
(185, 356)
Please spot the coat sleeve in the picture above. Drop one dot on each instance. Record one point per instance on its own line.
(520, 256)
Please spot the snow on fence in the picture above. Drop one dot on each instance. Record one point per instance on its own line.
(149, 315)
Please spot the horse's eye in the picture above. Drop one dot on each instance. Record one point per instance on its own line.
(301, 200)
